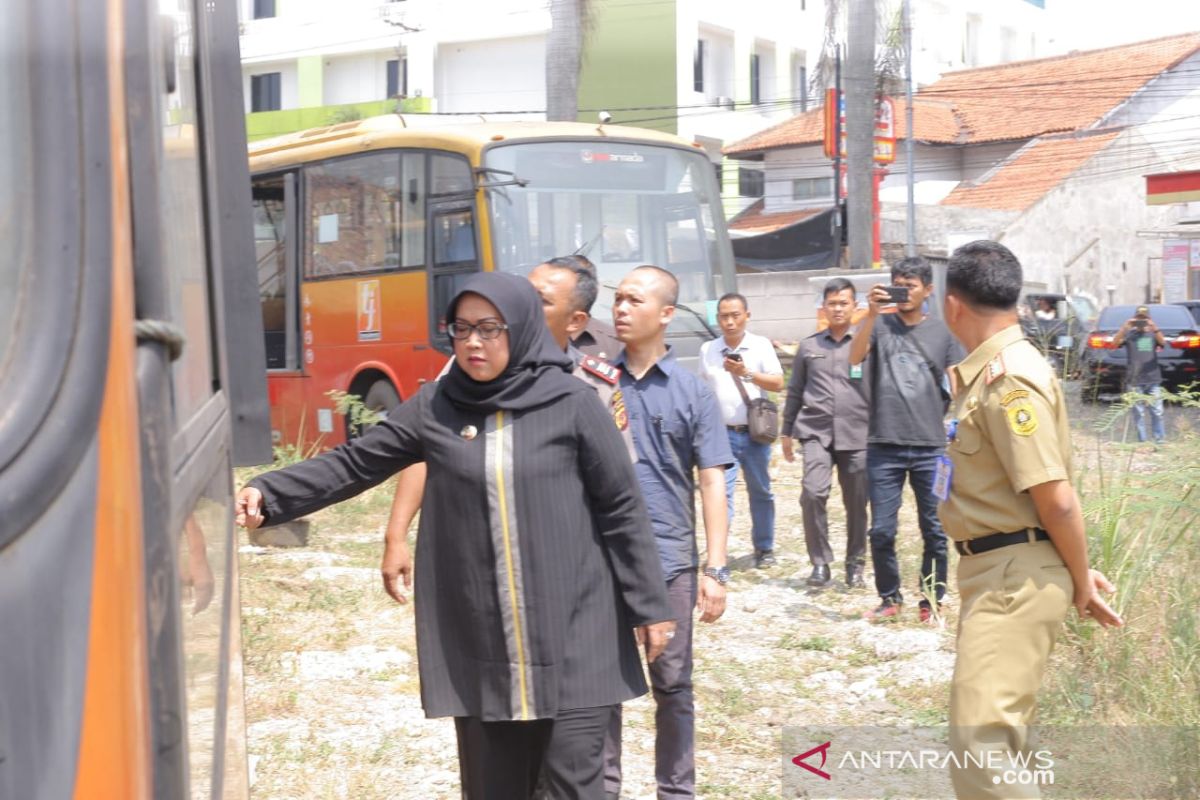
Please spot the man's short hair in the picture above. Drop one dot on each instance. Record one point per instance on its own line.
(586, 285)
(734, 296)
(835, 285)
(913, 267)
(985, 273)
(671, 296)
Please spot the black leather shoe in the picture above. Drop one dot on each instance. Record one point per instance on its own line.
(854, 576)
(820, 576)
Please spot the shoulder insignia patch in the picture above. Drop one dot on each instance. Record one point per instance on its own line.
(1014, 395)
(995, 368)
(601, 369)
(1022, 419)
(619, 414)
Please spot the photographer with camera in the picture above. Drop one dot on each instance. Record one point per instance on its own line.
(1141, 339)
(910, 354)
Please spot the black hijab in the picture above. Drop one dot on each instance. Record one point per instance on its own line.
(538, 369)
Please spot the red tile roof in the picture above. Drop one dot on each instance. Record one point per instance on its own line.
(1031, 172)
(1012, 101)
(755, 221)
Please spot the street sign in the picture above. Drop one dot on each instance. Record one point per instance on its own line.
(885, 131)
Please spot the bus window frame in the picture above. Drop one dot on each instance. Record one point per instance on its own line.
(302, 211)
(291, 277)
(454, 204)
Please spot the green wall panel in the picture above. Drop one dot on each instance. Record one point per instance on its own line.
(629, 61)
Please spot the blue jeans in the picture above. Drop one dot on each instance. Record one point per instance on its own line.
(755, 460)
(1155, 402)
(887, 466)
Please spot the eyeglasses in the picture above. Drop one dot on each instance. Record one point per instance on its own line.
(488, 329)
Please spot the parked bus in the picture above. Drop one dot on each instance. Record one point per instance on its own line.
(365, 229)
(127, 317)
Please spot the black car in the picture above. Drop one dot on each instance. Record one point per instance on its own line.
(1104, 366)
(1192, 306)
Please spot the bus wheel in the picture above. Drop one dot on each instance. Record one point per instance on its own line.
(381, 397)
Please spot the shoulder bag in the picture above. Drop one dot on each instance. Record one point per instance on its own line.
(762, 416)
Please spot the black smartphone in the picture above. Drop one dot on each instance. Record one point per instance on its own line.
(1140, 324)
(897, 294)
(734, 356)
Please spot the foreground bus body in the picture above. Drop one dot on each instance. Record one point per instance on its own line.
(365, 229)
(120, 662)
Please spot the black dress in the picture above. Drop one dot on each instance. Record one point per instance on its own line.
(535, 557)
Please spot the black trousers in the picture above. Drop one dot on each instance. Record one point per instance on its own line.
(546, 759)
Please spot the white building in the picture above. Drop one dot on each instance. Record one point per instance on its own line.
(1046, 155)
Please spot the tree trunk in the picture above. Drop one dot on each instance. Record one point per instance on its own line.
(564, 46)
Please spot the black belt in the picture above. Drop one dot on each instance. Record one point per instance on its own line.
(973, 547)
(739, 428)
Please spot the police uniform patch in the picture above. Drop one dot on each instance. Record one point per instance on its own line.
(601, 369)
(995, 368)
(1014, 395)
(619, 414)
(1021, 419)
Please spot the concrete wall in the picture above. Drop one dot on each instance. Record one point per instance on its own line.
(494, 75)
(1083, 235)
(359, 78)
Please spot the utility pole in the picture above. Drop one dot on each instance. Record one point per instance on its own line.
(910, 245)
(839, 209)
(860, 129)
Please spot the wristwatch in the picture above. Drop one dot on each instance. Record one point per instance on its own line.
(718, 574)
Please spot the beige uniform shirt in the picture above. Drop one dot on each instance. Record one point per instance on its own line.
(1012, 434)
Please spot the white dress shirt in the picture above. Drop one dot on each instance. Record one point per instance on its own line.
(758, 354)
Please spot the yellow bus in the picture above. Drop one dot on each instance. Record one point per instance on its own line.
(127, 313)
(364, 230)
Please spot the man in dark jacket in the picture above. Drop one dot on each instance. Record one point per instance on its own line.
(827, 412)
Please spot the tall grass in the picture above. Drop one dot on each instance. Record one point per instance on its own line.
(1143, 521)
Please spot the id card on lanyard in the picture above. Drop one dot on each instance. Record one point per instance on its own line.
(942, 478)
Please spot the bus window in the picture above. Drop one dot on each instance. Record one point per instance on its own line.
(619, 215)
(183, 247)
(207, 590)
(619, 203)
(412, 210)
(453, 239)
(353, 213)
(271, 256)
(454, 261)
(450, 175)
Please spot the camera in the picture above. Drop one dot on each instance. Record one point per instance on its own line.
(1140, 324)
(605, 117)
(897, 294)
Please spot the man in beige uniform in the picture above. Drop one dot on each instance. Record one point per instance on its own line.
(1010, 509)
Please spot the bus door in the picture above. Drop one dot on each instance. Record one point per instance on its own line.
(453, 238)
(276, 225)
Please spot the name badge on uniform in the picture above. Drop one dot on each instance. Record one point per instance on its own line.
(856, 372)
(941, 479)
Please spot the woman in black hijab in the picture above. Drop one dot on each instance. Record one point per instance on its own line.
(535, 559)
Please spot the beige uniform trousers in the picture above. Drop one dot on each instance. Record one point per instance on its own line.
(1013, 603)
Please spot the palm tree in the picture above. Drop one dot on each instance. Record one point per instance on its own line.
(889, 47)
(569, 24)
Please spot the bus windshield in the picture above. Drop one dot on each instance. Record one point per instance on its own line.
(621, 204)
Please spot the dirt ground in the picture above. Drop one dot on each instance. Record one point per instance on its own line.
(331, 680)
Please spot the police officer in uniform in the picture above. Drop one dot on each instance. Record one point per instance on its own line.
(1009, 506)
(568, 289)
